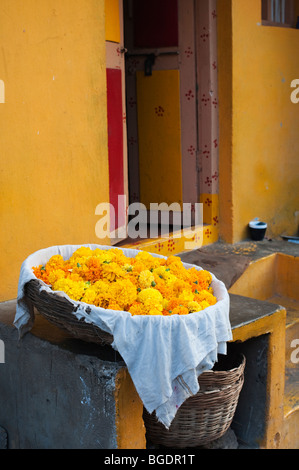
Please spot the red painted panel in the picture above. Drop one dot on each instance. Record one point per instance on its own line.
(115, 143)
(156, 23)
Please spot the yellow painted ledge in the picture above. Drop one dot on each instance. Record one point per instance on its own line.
(178, 242)
(273, 325)
(130, 429)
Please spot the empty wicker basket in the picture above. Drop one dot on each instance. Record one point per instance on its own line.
(207, 415)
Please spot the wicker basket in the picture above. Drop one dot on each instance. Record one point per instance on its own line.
(59, 311)
(207, 415)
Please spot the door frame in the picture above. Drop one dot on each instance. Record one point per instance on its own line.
(207, 146)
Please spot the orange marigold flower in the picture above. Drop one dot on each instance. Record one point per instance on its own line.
(180, 311)
(113, 305)
(136, 308)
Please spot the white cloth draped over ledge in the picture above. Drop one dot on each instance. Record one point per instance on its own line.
(164, 355)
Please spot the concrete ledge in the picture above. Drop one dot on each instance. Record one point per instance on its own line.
(3, 439)
(61, 393)
(259, 332)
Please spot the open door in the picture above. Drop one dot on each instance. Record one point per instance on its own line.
(162, 107)
(161, 102)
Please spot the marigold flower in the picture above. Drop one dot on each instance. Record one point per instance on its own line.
(56, 262)
(136, 308)
(144, 285)
(186, 295)
(145, 279)
(151, 295)
(55, 275)
(180, 311)
(206, 296)
(194, 307)
(112, 271)
(75, 290)
(113, 305)
(124, 293)
(89, 296)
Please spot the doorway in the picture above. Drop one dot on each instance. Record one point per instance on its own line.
(168, 55)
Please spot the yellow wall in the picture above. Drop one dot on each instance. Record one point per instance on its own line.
(259, 142)
(159, 130)
(112, 20)
(53, 138)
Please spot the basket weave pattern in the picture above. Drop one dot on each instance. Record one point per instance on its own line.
(59, 311)
(203, 417)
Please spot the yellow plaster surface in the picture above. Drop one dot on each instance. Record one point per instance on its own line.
(179, 242)
(159, 129)
(210, 209)
(130, 428)
(112, 20)
(53, 134)
(259, 138)
(275, 279)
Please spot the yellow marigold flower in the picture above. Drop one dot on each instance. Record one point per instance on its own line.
(150, 295)
(204, 304)
(136, 308)
(146, 279)
(155, 310)
(127, 267)
(163, 288)
(89, 296)
(152, 301)
(147, 259)
(118, 256)
(194, 307)
(186, 295)
(102, 255)
(176, 267)
(204, 295)
(97, 294)
(75, 277)
(102, 301)
(173, 260)
(83, 251)
(55, 262)
(179, 286)
(112, 271)
(113, 305)
(161, 272)
(55, 275)
(124, 293)
(144, 257)
(75, 290)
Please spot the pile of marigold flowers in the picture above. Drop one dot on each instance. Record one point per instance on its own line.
(143, 285)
